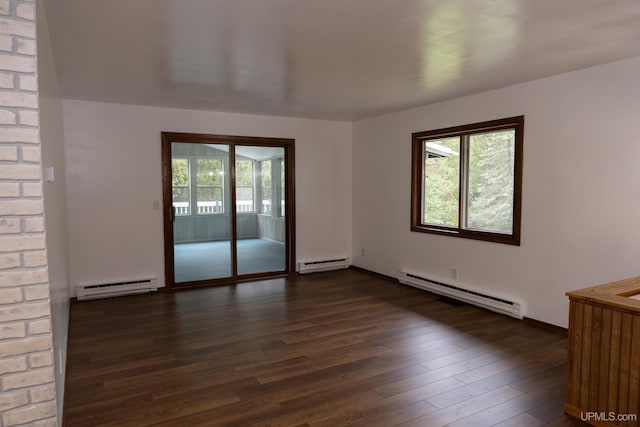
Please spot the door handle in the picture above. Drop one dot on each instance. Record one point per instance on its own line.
(172, 214)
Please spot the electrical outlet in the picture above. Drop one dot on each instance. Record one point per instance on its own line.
(362, 252)
(454, 273)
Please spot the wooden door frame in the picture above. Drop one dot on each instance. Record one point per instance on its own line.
(290, 206)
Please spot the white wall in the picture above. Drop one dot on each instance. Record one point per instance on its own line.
(113, 157)
(580, 195)
(52, 137)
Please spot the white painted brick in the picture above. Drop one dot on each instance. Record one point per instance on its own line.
(8, 117)
(14, 399)
(37, 327)
(20, 134)
(10, 296)
(20, 207)
(24, 278)
(29, 117)
(18, 28)
(40, 360)
(26, 46)
(29, 414)
(7, 81)
(20, 64)
(31, 154)
(35, 259)
(10, 225)
(28, 83)
(21, 243)
(21, 172)
(32, 189)
(28, 395)
(33, 293)
(13, 365)
(5, 7)
(33, 377)
(6, 43)
(43, 393)
(12, 330)
(8, 153)
(51, 422)
(24, 311)
(17, 99)
(25, 346)
(9, 189)
(9, 261)
(34, 225)
(25, 11)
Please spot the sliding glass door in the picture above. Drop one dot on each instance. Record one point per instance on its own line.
(201, 219)
(228, 208)
(260, 209)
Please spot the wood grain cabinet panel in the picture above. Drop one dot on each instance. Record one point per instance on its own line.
(603, 370)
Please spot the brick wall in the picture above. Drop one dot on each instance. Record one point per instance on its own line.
(27, 390)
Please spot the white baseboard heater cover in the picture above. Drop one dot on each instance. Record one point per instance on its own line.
(491, 302)
(323, 265)
(116, 289)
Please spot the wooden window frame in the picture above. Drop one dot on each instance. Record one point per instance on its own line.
(417, 179)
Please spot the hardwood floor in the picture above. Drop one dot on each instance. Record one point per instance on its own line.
(329, 349)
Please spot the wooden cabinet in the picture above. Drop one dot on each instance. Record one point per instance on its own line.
(603, 370)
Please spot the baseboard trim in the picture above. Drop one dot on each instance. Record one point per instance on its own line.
(525, 319)
(545, 325)
(373, 273)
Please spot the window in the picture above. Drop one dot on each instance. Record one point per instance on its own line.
(272, 182)
(209, 186)
(267, 197)
(180, 186)
(467, 181)
(244, 186)
(282, 189)
(208, 176)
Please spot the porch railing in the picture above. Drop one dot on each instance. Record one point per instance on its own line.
(204, 208)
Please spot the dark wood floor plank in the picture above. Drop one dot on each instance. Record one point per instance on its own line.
(467, 408)
(393, 413)
(332, 349)
(508, 409)
(521, 420)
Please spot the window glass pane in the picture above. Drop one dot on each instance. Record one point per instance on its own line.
(244, 173)
(180, 172)
(244, 186)
(209, 172)
(491, 181)
(266, 173)
(209, 177)
(441, 181)
(180, 186)
(282, 187)
(267, 197)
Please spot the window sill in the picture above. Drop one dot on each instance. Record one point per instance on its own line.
(508, 239)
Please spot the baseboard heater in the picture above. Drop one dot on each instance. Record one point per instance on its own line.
(116, 289)
(491, 302)
(323, 265)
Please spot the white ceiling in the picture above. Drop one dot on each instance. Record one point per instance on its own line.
(332, 59)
